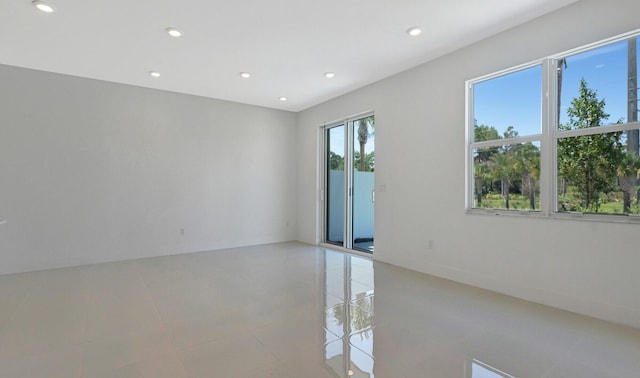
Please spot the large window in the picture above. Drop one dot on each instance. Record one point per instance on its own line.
(506, 140)
(559, 135)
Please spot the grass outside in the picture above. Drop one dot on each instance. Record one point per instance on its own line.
(608, 205)
(516, 202)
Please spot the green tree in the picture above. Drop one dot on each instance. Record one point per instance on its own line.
(336, 162)
(502, 162)
(481, 166)
(628, 172)
(481, 172)
(505, 165)
(527, 164)
(589, 162)
(484, 132)
(510, 133)
(369, 161)
(503, 169)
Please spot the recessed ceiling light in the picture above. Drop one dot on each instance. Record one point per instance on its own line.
(174, 32)
(329, 75)
(154, 73)
(41, 5)
(283, 98)
(414, 30)
(245, 75)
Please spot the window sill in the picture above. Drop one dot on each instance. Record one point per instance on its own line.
(588, 217)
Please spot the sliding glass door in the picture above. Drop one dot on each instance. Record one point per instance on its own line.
(335, 182)
(349, 183)
(363, 197)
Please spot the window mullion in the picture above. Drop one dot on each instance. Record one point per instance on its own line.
(507, 141)
(470, 122)
(548, 163)
(598, 130)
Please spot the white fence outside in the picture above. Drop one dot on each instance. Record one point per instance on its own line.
(363, 185)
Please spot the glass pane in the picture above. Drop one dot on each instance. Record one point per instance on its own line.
(363, 183)
(335, 185)
(481, 370)
(508, 106)
(507, 177)
(598, 174)
(608, 73)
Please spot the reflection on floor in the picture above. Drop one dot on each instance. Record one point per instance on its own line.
(289, 310)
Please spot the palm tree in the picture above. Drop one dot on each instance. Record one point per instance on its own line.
(369, 161)
(363, 137)
(480, 173)
(482, 157)
(527, 164)
(504, 171)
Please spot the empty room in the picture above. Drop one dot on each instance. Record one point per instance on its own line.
(319, 189)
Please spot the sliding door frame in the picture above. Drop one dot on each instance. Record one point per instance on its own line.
(347, 223)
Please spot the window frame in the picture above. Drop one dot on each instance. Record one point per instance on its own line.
(471, 144)
(548, 139)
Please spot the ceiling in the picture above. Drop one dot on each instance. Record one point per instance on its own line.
(286, 45)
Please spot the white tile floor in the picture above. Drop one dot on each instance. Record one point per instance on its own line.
(289, 310)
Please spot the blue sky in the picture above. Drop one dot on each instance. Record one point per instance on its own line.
(515, 99)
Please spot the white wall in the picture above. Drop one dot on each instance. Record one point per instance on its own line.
(94, 171)
(590, 268)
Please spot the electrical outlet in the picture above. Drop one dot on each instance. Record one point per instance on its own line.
(182, 231)
(430, 244)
